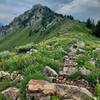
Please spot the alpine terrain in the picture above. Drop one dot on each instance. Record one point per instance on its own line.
(48, 56)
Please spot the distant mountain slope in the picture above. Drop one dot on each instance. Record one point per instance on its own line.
(35, 25)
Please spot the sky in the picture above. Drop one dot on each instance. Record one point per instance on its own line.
(80, 9)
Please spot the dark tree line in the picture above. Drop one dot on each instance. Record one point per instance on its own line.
(94, 27)
(96, 30)
(90, 23)
(69, 17)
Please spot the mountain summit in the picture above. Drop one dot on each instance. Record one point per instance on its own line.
(38, 18)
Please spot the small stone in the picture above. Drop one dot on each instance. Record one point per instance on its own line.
(61, 77)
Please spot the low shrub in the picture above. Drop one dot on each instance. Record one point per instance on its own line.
(81, 59)
(2, 97)
(98, 89)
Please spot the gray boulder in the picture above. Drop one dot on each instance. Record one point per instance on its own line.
(50, 72)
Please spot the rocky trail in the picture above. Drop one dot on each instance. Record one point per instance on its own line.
(69, 68)
(59, 84)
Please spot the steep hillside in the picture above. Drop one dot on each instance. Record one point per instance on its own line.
(35, 25)
(30, 26)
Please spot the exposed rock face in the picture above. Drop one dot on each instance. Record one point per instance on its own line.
(50, 72)
(11, 93)
(42, 89)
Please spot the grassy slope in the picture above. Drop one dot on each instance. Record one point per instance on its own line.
(20, 36)
(50, 51)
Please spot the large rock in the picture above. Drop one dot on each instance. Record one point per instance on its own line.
(42, 90)
(41, 86)
(72, 92)
(50, 72)
(4, 75)
(11, 93)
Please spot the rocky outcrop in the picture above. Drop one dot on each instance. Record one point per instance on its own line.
(11, 93)
(42, 89)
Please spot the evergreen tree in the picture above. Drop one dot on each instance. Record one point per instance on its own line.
(96, 31)
(90, 23)
(70, 17)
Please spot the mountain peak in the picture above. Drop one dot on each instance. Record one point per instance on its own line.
(38, 13)
(38, 19)
(37, 6)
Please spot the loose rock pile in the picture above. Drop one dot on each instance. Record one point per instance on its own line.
(10, 76)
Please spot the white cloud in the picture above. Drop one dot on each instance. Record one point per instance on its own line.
(82, 9)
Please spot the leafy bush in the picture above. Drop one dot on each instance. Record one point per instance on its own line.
(98, 89)
(97, 63)
(4, 54)
(5, 84)
(2, 97)
(75, 75)
(24, 49)
(89, 65)
(81, 59)
(93, 76)
(54, 98)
